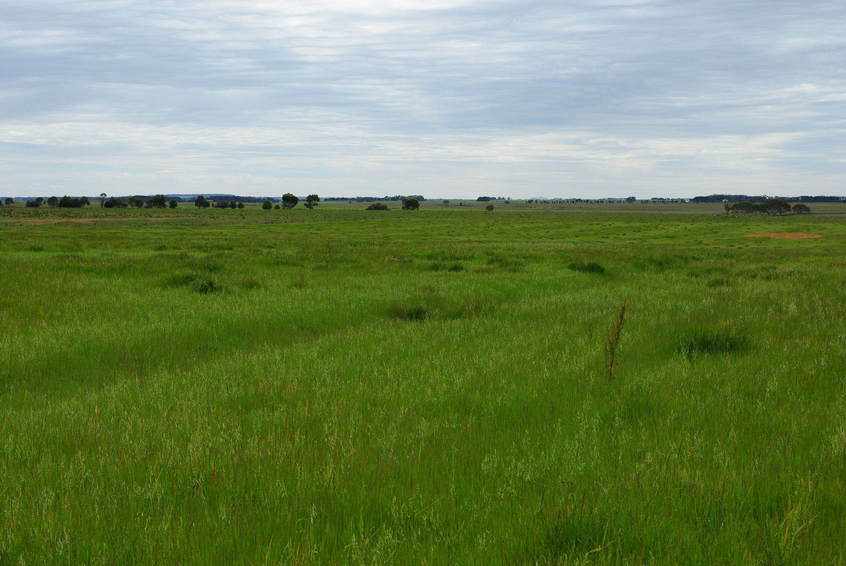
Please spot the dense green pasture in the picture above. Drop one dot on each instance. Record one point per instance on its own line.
(349, 387)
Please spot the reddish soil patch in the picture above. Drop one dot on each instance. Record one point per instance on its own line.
(785, 235)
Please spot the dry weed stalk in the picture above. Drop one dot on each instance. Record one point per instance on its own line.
(612, 340)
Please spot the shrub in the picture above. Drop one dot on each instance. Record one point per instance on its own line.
(489, 208)
(377, 206)
(267, 205)
(173, 203)
(590, 267)
(801, 209)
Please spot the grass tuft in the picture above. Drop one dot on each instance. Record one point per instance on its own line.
(712, 341)
(590, 267)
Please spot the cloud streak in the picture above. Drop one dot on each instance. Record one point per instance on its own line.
(460, 98)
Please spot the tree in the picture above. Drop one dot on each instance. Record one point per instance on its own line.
(289, 200)
(801, 209)
(102, 199)
(410, 203)
(201, 202)
(158, 201)
(173, 203)
(232, 204)
(137, 202)
(114, 203)
(10, 201)
(52, 202)
(776, 207)
(311, 201)
(84, 201)
(240, 205)
(267, 205)
(489, 208)
(70, 202)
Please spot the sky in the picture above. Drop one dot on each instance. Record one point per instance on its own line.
(444, 98)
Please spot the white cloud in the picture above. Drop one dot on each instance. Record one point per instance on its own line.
(589, 98)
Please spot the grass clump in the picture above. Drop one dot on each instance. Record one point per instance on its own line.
(208, 286)
(453, 267)
(711, 341)
(589, 267)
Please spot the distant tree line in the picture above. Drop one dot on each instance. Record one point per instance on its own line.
(775, 207)
(762, 198)
(419, 198)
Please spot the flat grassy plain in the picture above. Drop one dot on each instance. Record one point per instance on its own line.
(340, 386)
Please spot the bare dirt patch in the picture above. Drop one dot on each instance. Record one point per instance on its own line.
(786, 235)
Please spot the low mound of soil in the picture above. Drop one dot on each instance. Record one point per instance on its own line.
(785, 235)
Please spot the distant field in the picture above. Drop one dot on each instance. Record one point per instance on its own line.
(340, 386)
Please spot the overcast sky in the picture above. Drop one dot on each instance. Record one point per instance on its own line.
(446, 98)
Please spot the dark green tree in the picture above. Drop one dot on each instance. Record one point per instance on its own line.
(114, 203)
(289, 200)
(158, 201)
(410, 203)
(267, 205)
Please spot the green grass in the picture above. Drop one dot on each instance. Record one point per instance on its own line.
(339, 386)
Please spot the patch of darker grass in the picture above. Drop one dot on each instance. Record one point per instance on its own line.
(711, 341)
(208, 286)
(249, 283)
(589, 267)
(506, 263)
(719, 282)
(438, 266)
(656, 263)
(425, 307)
(569, 534)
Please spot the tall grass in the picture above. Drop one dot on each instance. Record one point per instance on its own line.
(303, 413)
